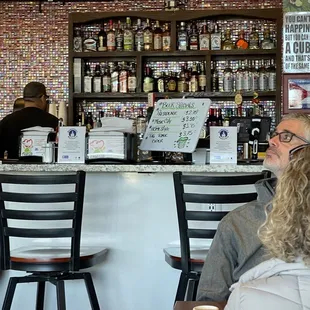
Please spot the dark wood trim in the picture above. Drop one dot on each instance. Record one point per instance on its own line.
(70, 44)
(279, 68)
(126, 96)
(286, 77)
(269, 14)
(173, 53)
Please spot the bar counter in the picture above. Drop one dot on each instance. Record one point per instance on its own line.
(129, 209)
(130, 168)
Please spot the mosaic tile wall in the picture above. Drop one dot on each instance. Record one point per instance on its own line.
(34, 45)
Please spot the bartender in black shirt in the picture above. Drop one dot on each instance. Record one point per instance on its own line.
(33, 114)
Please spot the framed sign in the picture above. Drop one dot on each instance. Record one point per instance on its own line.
(296, 93)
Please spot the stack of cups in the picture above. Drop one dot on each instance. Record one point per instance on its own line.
(52, 109)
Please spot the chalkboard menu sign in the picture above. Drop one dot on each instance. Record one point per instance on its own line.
(175, 125)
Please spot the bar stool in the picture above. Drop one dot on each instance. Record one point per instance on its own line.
(54, 264)
(189, 260)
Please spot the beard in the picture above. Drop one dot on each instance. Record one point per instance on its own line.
(272, 160)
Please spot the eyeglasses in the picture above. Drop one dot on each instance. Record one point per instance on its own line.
(285, 136)
(296, 149)
(48, 101)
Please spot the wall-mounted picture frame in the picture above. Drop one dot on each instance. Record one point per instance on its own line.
(296, 93)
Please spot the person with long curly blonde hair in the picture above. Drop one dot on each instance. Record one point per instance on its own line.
(282, 282)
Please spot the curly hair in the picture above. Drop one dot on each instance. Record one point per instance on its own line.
(286, 231)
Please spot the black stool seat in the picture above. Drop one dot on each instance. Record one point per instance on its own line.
(197, 258)
(58, 258)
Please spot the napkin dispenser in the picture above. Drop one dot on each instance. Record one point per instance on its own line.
(110, 146)
(33, 141)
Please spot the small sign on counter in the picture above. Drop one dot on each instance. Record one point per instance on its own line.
(175, 125)
(33, 141)
(71, 144)
(109, 144)
(223, 145)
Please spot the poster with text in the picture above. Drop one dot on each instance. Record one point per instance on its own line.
(296, 42)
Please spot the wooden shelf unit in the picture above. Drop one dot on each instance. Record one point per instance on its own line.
(174, 18)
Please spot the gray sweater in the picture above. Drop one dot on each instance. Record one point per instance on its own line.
(236, 247)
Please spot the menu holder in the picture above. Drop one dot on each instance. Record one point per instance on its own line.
(175, 125)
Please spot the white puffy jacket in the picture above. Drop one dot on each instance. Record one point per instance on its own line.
(272, 285)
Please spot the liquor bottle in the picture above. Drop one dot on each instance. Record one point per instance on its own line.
(102, 40)
(148, 36)
(171, 5)
(219, 117)
(228, 78)
(272, 76)
(241, 43)
(111, 37)
(115, 79)
(202, 78)
(203, 131)
(214, 78)
(263, 77)
(193, 38)
(158, 37)
(139, 41)
(212, 119)
(182, 82)
(172, 82)
(216, 38)
(89, 121)
(148, 81)
(140, 122)
(267, 43)
(254, 76)
(204, 38)
(187, 74)
(106, 81)
(77, 40)
(194, 81)
(100, 119)
(161, 81)
(227, 43)
(128, 36)
(132, 79)
(227, 118)
(119, 37)
(239, 77)
(88, 79)
(182, 37)
(166, 39)
(97, 80)
(123, 79)
(246, 81)
(95, 123)
(254, 39)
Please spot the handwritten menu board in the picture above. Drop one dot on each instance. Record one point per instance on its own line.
(175, 125)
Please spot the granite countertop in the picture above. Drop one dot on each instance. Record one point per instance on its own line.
(129, 168)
